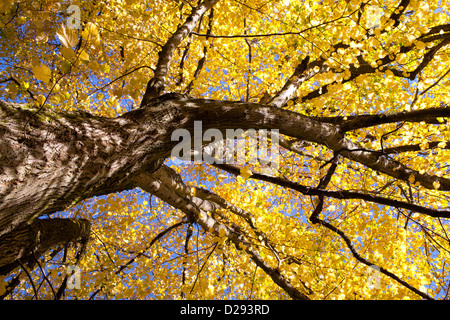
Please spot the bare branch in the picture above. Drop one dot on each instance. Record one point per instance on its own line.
(29, 278)
(429, 115)
(44, 275)
(365, 68)
(435, 83)
(202, 61)
(339, 194)
(152, 242)
(203, 265)
(32, 96)
(418, 147)
(274, 34)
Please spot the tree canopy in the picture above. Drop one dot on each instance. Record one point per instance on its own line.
(353, 93)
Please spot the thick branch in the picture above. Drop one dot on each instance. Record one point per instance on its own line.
(339, 194)
(152, 242)
(243, 115)
(196, 209)
(294, 82)
(157, 84)
(349, 123)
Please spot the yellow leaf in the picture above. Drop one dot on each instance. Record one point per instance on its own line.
(410, 37)
(389, 73)
(401, 58)
(40, 99)
(42, 73)
(67, 53)
(436, 185)
(105, 67)
(65, 66)
(246, 173)
(90, 31)
(442, 144)
(420, 45)
(412, 178)
(242, 246)
(222, 232)
(83, 55)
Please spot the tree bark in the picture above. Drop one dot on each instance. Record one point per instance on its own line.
(53, 160)
(50, 161)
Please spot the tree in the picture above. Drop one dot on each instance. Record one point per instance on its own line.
(354, 94)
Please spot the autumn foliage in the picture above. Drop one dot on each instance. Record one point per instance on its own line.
(366, 218)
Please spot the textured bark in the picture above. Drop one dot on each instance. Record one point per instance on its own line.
(50, 161)
(157, 85)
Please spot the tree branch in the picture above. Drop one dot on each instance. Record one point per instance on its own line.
(29, 278)
(39, 237)
(152, 242)
(195, 209)
(365, 68)
(358, 257)
(157, 84)
(339, 194)
(294, 82)
(417, 147)
(349, 123)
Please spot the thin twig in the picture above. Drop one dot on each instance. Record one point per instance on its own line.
(203, 265)
(44, 275)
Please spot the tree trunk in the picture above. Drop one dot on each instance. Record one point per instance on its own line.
(50, 161)
(53, 160)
